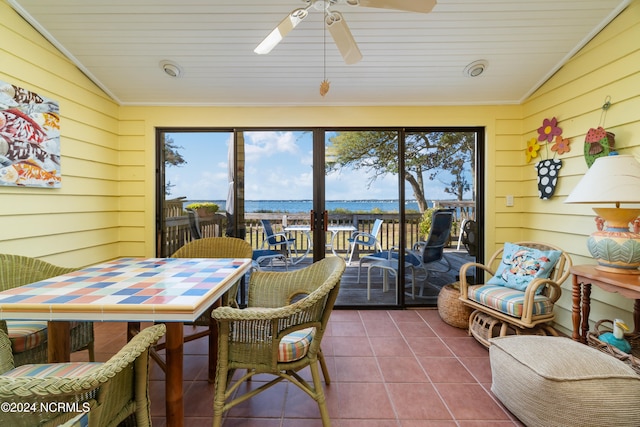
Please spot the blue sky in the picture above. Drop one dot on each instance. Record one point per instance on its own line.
(278, 167)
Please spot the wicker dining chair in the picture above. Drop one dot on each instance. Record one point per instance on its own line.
(52, 394)
(279, 333)
(29, 338)
(213, 247)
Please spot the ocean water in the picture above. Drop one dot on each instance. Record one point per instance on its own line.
(299, 206)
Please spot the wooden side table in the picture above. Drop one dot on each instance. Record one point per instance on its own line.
(627, 285)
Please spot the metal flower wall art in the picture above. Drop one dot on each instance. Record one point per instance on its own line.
(547, 168)
(29, 138)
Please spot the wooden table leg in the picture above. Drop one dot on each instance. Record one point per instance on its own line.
(636, 317)
(173, 375)
(58, 342)
(575, 311)
(586, 309)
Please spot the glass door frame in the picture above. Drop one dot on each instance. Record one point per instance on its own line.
(319, 188)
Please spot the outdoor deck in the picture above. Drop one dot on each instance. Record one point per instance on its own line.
(354, 293)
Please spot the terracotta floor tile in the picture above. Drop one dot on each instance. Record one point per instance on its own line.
(428, 423)
(401, 370)
(389, 346)
(415, 329)
(429, 346)
(470, 402)
(347, 329)
(446, 370)
(351, 346)
(384, 328)
(389, 368)
(479, 367)
(265, 405)
(357, 369)
(365, 401)
(466, 346)
(405, 315)
(417, 402)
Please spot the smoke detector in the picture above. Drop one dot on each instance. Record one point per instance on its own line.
(476, 68)
(170, 68)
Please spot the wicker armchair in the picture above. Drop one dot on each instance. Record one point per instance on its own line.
(111, 392)
(278, 334)
(502, 307)
(17, 270)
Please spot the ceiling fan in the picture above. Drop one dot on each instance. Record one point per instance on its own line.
(336, 24)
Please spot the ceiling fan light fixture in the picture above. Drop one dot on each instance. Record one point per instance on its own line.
(171, 69)
(476, 68)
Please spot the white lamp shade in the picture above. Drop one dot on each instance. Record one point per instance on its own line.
(611, 179)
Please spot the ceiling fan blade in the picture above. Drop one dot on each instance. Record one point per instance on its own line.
(279, 33)
(343, 38)
(421, 6)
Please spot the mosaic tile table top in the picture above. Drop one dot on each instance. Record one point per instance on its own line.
(127, 289)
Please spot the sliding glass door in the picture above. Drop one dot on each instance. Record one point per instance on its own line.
(298, 195)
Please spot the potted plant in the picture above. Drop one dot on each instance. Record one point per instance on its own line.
(425, 223)
(204, 209)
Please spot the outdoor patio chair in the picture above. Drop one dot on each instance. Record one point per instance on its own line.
(387, 262)
(278, 334)
(112, 392)
(278, 240)
(431, 252)
(212, 247)
(267, 256)
(524, 283)
(29, 337)
(366, 239)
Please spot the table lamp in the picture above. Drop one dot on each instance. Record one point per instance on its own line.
(613, 180)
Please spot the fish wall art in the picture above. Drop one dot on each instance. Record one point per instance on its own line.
(29, 139)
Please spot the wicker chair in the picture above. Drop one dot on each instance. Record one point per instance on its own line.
(500, 308)
(17, 270)
(112, 392)
(286, 311)
(213, 247)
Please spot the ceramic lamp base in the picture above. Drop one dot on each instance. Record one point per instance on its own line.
(616, 251)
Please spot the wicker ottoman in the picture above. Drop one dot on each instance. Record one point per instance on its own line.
(451, 309)
(554, 381)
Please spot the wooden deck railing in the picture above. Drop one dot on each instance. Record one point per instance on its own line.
(177, 231)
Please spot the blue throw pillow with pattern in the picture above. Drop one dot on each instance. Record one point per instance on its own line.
(520, 265)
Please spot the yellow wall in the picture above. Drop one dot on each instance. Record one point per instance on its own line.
(105, 208)
(609, 66)
(502, 125)
(79, 223)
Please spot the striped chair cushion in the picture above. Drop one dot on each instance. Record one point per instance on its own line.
(26, 334)
(507, 300)
(60, 370)
(295, 345)
(80, 420)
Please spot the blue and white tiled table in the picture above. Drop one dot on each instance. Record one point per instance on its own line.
(172, 290)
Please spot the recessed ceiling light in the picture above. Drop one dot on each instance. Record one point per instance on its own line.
(170, 68)
(476, 68)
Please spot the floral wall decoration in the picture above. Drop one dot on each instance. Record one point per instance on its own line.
(599, 142)
(547, 168)
(29, 138)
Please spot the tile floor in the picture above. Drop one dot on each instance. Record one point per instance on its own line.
(388, 369)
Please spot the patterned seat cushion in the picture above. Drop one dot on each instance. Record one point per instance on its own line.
(60, 370)
(295, 345)
(80, 420)
(26, 334)
(507, 300)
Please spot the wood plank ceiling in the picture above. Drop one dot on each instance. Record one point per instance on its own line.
(408, 58)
